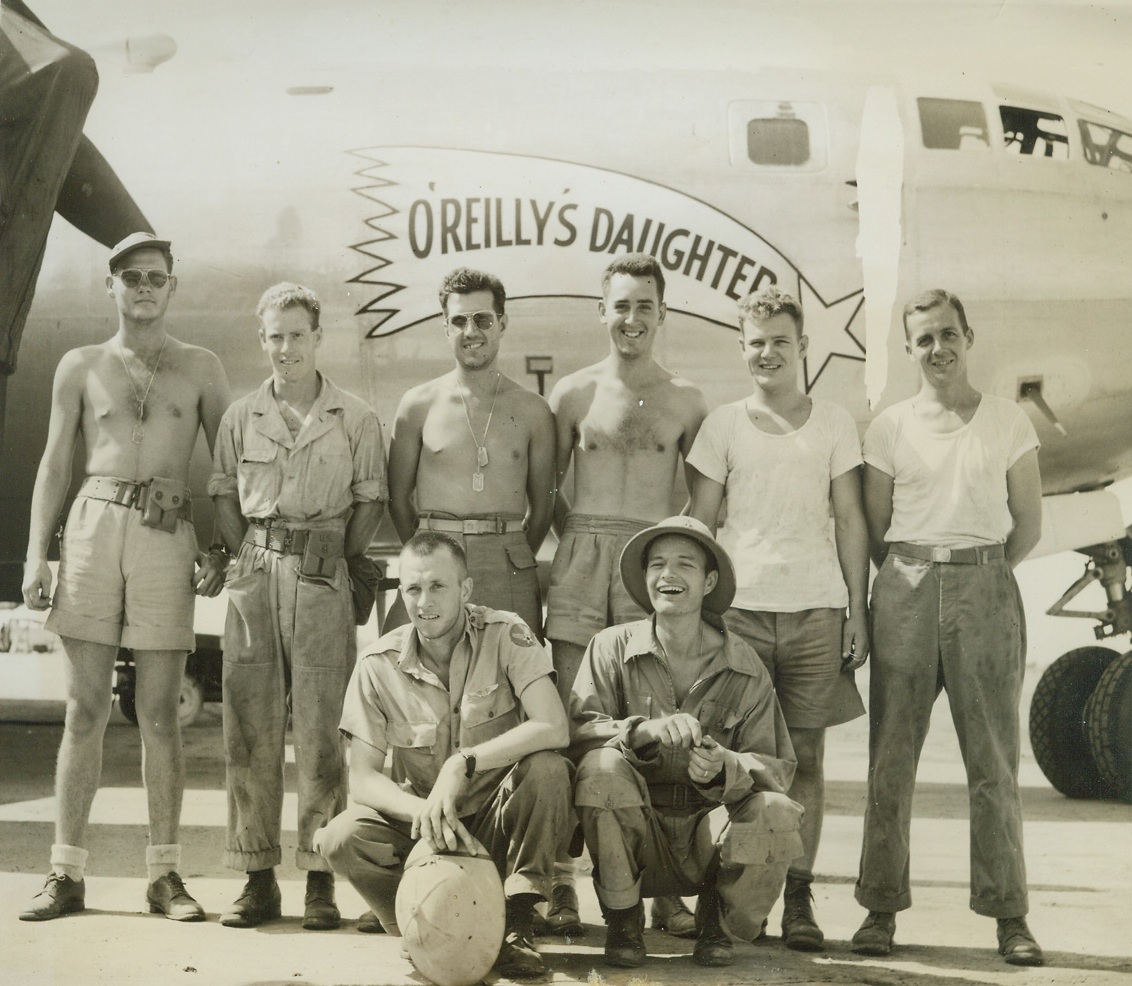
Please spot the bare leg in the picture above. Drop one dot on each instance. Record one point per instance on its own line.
(159, 675)
(808, 790)
(90, 668)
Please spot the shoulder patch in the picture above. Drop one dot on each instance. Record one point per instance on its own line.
(521, 635)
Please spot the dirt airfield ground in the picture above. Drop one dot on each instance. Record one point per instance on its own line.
(1079, 855)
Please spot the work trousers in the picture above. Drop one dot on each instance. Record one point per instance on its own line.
(960, 628)
(284, 634)
(522, 827)
(639, 850)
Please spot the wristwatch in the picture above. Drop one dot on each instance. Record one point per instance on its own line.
(469, 762)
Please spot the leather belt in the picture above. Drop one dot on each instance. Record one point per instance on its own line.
(472, 525)
(281, 540)
(982, 555)
(676, 796)
(128, 493)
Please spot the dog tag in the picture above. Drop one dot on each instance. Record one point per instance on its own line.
(137, 434)
(481, 455)
(477, 482)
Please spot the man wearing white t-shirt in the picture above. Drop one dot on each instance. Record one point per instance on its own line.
(953, 501)
(789, 468)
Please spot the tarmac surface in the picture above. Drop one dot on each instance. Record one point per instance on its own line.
(1079, 855)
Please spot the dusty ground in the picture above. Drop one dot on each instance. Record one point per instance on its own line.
(1079, 855)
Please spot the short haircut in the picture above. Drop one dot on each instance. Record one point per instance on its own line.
(766, 304)
(635, 265)
(121, 263)
(928, 300)
(288, 295)
(709, 559)
(426, 543)
(464, 280)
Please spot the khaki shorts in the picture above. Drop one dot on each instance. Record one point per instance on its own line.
(586, 594)
(802, 652)
(124, 584)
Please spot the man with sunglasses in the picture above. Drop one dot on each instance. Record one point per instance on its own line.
(472, 455)
(129, 561)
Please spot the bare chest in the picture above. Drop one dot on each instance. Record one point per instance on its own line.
(625, 423)
(452, 436)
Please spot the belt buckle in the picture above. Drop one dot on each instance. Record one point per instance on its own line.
(471, 527)
(941, 555)
(680, 797)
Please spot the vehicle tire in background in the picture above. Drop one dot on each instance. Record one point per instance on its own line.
(1057, 722)
(1108, 726)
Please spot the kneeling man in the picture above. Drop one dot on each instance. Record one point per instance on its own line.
(685, 755)
(465, 699)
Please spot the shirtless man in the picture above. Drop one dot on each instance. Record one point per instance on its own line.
(126, 575)
(625, 422)
(472, 455)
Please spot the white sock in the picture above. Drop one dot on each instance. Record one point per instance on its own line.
(68, 861)
(160, 860)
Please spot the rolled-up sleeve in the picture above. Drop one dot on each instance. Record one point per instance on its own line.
(225, 459)
(368, 448)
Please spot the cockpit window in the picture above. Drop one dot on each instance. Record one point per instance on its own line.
(953, 124)
(1034, 133)
(1105, 146)
(779, 141)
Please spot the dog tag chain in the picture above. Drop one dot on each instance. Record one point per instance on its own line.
(481, 447)
(138, 433)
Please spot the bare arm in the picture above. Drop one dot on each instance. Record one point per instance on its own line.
(1024, 500)
(362, 526)
(53, 476)
(707, 498)
(564, 431)
(404, 458)
(852, 539)
(697, 411)
(878, 510)
(372, 787)
(214, 398)
(541, 462)
(230, 523)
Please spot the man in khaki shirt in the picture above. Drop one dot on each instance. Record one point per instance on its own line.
(462, 700)
(299, 487)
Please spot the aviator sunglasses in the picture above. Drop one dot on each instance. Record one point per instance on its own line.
(132, 277)
(482, 320)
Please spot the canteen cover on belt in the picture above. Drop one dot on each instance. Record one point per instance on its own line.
(451, 913)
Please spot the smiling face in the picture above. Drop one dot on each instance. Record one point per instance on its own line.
(676, 575)
(143, 303)
(632, 312)
(286, 336)
(773, 351)
(475, 348)
(936, 339)
(435, 588)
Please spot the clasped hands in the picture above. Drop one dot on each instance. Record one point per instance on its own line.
(683, 730)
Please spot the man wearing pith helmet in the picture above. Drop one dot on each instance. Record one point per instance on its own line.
(684, 756)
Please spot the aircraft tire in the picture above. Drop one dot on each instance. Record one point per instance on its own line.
(1108, 726)
(1057, 722)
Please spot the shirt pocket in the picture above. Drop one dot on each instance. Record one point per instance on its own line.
(257, 479)
(411, 735)
(488, 712)
(638, 704)
(720, 721)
